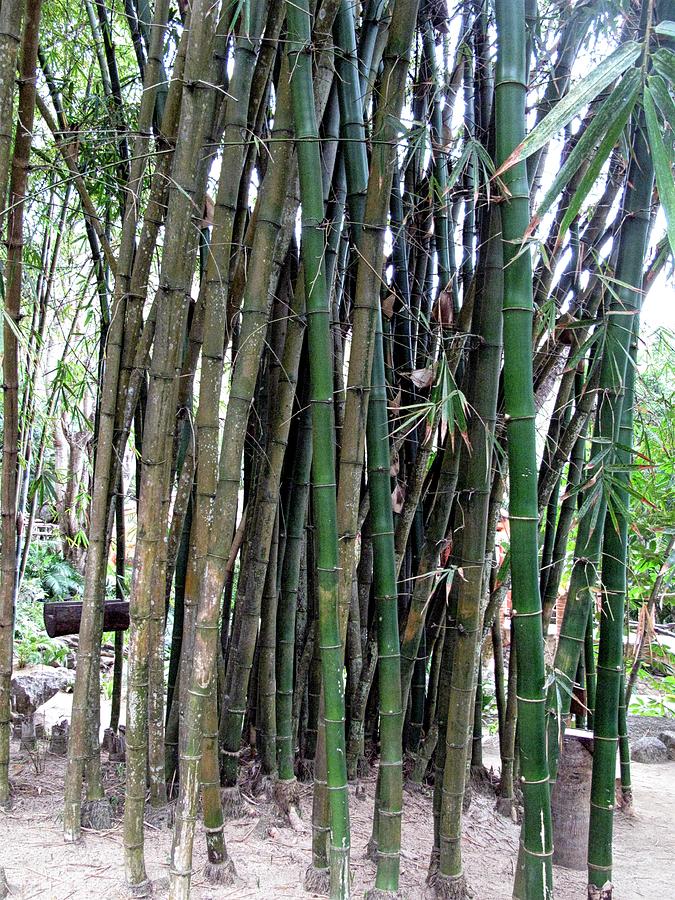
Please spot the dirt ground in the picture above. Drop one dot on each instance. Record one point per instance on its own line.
(270, 860)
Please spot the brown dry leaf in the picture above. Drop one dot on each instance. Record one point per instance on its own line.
(423, 378)
(398, 498)
(395, 464)
(388, 306)
(209, 208)
(442, 311)
(395, 404)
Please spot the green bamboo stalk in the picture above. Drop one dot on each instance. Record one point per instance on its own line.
(120, 575)
(624, 748)
(266, 722)
(510, 95)
(249, 598)
(415, 724)
(617, 403)
(390, 780)
(473, 502)
(574, 627)
(219, 868)
(216, 493)
(425, 584)
(370, 246)
(97, 552)
(323, 460)
(176, 272)
(286, 614)
(591, 673)
(507, 746)
(477, 738)
(10, 362)
(11, 14)
(563, 527)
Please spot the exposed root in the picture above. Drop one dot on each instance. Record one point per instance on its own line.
(434, 863)
(506, 806)
(260, 784)
(448, 887)
(600, 893)
(304, 770)
(265, 826)
(362, 767)
(97, 815)
(484, 780)
(377, 894)
(142, 889)
(222, 873)
(286, 796)
(371, 850)
(170, 809)
(234, 805)
(4, 887)
(317, 881)
(624, 801)
(160, 816)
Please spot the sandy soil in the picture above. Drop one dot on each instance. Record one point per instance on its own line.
(271, 860)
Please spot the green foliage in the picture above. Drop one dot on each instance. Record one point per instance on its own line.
(653, 476)
(32, 646)
(49, 575)
(660, 701)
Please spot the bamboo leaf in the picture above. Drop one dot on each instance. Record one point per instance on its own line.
(619, 101)
(664, 101)
(662, 167)
(601, 155)
(666, 28)
(664, 63)
(579, 96)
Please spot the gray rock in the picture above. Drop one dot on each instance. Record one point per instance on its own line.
(33, 687)
(668, 738)
(649, 750)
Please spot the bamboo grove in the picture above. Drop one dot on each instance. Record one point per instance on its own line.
(354, 277)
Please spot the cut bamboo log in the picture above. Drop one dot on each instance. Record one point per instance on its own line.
(64, 617)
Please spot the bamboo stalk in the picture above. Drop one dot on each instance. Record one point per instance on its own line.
(176, 270)
(97, 551)
(10, 362)
(390, 783)
(323, 460)
(534, 879)
(473, 500)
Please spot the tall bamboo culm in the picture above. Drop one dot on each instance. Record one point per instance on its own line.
(615, 407)
(176, 273)
(323, 430)
(94, 576)
(534, 880)
(10, 363)
(473, 500)
(389, 799)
